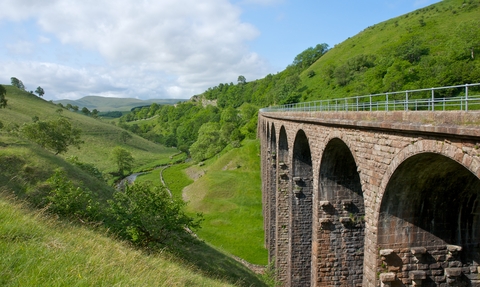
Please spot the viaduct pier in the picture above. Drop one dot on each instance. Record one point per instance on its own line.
(358, 196)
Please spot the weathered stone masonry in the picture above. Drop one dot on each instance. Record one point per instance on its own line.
(372, 198)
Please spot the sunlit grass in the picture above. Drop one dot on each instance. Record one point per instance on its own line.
(38, 251)
(229, 196)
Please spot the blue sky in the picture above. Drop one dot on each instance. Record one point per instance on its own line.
(169, 48)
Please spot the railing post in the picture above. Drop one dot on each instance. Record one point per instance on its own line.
(433, 100)
(357, 103)
(386, 102)
(466, 97)
(370, 102)
(406, 101)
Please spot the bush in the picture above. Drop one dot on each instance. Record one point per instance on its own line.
(147, 214)
(67, 200)
(87, 167)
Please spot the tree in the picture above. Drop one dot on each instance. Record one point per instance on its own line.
(125, 136)
(209, 142)
(86, 111)
(123, 159)
(17, 83)
(75, 108)
(3, 101)
(241, 80)
(306, 58)
(56, 135)
(95, 113)
(39, 91)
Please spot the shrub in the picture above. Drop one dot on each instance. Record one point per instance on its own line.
(147, 214)
(87, 167)
(67, 200)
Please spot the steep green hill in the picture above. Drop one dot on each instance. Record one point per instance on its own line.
(438, 45)
(105, 104)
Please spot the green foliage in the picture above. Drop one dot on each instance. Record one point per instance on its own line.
(56, 135)
(39, 91)
(306, 58)
(123, 159)
(17, 83)
(439, 47)
(209, 142)
(125, 136)
(88, 167)
(114, 114)
(3, 100)
(241, 80)
(147, 215)
(85, 111)
(67, 200)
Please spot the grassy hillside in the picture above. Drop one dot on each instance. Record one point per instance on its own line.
(99, 137)
(438, 45)
(227, 190)
(105, 104)
(40, 251)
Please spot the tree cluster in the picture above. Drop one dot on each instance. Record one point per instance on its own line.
(204, 130)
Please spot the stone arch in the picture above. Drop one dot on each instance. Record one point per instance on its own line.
(301, 205)
(341, 216)
(272, 192)
(429, 213)
(282, 207)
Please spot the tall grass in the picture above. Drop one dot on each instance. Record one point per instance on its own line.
(39, 251)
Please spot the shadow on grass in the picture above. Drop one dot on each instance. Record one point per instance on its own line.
(213, 263)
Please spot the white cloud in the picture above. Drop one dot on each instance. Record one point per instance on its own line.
(20, 47)
(169, 48)
(43, 39)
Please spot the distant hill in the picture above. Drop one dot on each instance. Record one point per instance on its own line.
(106, 104)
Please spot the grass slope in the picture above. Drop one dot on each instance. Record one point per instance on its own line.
(229, 196)
(105, 104)
(39, 251)
(100, 137)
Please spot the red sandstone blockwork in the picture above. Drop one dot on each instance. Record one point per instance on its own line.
(351, 199)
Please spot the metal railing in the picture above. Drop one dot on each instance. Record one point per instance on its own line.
(461, 97)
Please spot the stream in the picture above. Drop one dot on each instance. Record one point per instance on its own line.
(132, 177)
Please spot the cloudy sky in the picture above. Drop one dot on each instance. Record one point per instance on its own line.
(169, 48)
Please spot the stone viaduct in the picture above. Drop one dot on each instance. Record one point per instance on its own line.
(372, 198)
